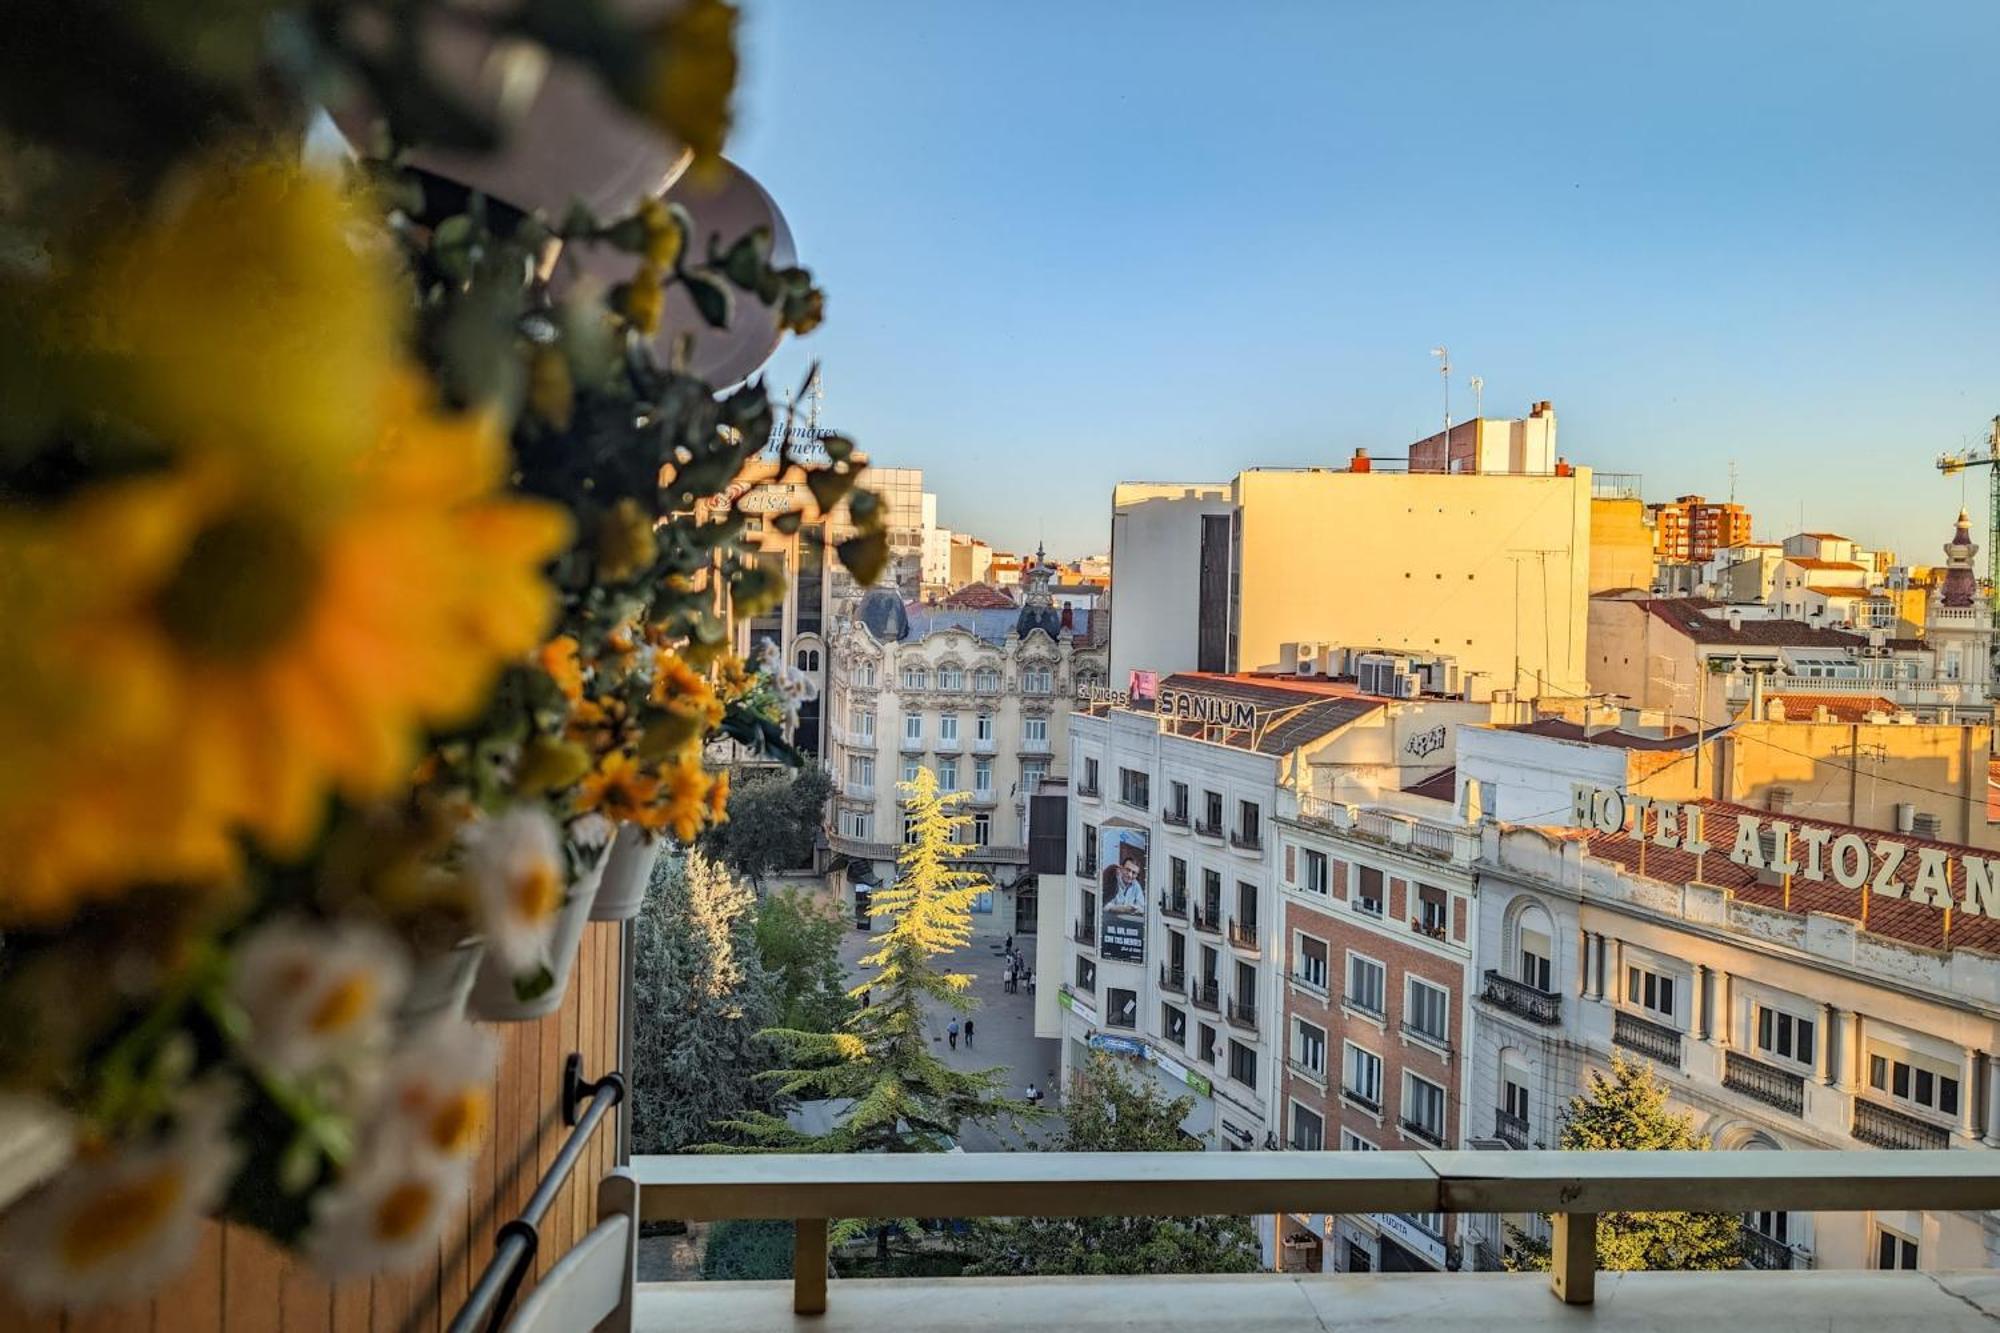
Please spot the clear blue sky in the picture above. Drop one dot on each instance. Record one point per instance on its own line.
(1067, 244)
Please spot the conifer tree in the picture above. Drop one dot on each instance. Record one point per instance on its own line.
(1627, 1110)
(1111, 1112)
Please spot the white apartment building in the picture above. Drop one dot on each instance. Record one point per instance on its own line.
(1795, 984)
(980, 697)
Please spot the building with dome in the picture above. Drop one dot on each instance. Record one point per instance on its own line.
(980, 695)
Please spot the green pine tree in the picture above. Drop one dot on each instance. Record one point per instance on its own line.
(1627, 1110)
(901, 1097)
(700, 999)
(1111, 1112)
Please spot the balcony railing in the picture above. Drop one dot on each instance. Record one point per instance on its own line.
(1173, 978)
(1207, 829)
(1767, 1083)
(1034, 745)
(1243, 1013)
(912, 744)
(1205, 994)
(984, 745)
(1886, 1127)
(1178, 818)
(1766, 1252)
(947, 745)
(1576, 1188)
(1173, 905)
(1509, 1128)
(1243, 934)
(1208, 919)
(1655, 1041)
(1086, 864)
(1372, 1105)
(857, 791)
(1423, 1133)
(1249, 840)
(1089, 790)
(1316, 1074)
(1518, 997)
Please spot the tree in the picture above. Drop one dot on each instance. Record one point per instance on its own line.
(894, 1094)
(798, 942)
(1627, 1110)
(1111, 1112)
(700, 998)
(774, 816)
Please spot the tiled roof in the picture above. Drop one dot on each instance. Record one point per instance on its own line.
(1688, 615)
(1564, 730)
(1800, 707)
(977, 597)
(1813, 562)
(1832, 590)
(1290, 712)
(1895, 918)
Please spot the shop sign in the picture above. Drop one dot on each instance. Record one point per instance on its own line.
(1115, 1045)
(1199, 706)
(1411, 1237)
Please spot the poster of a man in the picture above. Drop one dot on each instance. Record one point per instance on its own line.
(1122, 888)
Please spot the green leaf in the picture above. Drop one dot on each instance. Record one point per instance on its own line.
(865, 556)
(710, 297)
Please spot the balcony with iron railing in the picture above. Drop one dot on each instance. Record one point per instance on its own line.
(1521, 999)
(1086, 865)
(1208, 918)
(1242, 1012)
(1246, 840)
(1173, 905)
(1243, 934)
(1088, 790)
(1205, 993)
(1311, 1073)
(1767, 1253)
(1767, 1083)
(1574, 1188)
(1887, 1127)
(1209, 829)
(1173, 979)
(983, 745)
(1034, 745)
(1509, 1128)
(1422, 1132)
(1176, 818)
(1372, 1105)
(1084, 932)
(1655, 1041)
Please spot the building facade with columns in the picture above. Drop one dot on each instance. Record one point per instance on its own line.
(1792, 985)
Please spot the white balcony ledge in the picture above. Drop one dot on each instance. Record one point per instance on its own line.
(1287, 1303)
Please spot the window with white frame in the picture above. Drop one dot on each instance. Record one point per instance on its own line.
(915, 678)
(1535, 953)
(1364, 985)
(1315, 879)
(861, 770)
(982, 727)
(864, 675)
(1135, 788)
(1173, 1024)
(1894, 1250)
(1309, 1047)
(1368, 890)
(1032, 772)
(982, 828)
(1514, 1094)
(863, 722)
(986, 680)
(951, 678)
(1352, 1142)
(912, 767)
(1913, 1080)
(1035, 730)
(858, 824)
(1037, 680)
(1243, 1064)
(947, 775)
(1423, 1107)
(1308, 1130)
(982, 776)
(1650, 990)
(1427, 1011)
(1784, 1036)
(1362, 1077)
(913, 727)
(1177, 801)
(1309, 961)
(909, 828)
(947, 727)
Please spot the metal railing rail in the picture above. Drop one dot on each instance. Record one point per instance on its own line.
(516, 1243)
(1574, 1187)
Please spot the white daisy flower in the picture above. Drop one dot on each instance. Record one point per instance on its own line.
(793, 687)
(437, 1093)
(515, 865)
(116, 1225)
(318, 995)
(387, 1214)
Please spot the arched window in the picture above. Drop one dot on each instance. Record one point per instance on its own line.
(1531, 945)
(915, 678)
(808, 661)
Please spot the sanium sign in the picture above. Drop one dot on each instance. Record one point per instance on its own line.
(1849, 857)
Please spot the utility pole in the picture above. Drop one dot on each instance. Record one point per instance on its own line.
(1443, 354)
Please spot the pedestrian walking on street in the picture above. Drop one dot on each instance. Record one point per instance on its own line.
(951, 1034)
(1010, 944)
(968, 1034)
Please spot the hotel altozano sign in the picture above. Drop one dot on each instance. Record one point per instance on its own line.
(1851, 858)
(1196, 706)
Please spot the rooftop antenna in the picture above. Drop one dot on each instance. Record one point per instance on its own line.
(1732, 481)
(1443, 355)
(1478, 397)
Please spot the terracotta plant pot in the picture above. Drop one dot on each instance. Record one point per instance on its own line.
(494, 998)
(627, 873)
(440, 985)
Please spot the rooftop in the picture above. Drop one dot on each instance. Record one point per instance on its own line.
(977, 597)
(1691, 616)
(1441, 786)
(1289, 712)
(1800, 707)
(1565, 730)
(1812, 562)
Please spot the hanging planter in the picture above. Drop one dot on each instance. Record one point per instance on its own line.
(440, 984)
(627, 873)
(499, 995)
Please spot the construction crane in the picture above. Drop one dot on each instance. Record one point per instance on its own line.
(1952, 464)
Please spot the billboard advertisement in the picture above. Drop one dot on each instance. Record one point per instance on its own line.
(1121, 884)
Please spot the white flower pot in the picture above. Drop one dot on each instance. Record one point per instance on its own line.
(440, 984)
(627, 873)
(494, 999)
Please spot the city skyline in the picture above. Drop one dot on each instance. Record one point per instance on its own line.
(1700, 246)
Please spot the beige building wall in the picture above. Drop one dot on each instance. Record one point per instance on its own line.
(1156, 573)
(1860, 773)
(1489, 569)
(1621, 544)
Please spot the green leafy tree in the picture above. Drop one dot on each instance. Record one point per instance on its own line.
(774, 816)
(895, 1094)
(1109, 1111)
(701, 996)
(798, 942)
(1626, 1110)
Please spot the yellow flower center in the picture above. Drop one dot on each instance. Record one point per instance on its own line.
(404, 1210)
(459, 1122)
(243, 585)
(120, 1218)
(538, 893)
(344, 1005)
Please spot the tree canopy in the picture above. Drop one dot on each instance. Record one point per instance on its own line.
(1110, 1111)
(1627, 1110)
(774, 816)
(798, 942)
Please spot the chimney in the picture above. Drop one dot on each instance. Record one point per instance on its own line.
(1756, 696)
(1563, 468)
(1735, 615)
(1822, 714)
(1359, 463)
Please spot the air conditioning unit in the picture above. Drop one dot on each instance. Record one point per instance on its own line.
(1441, 675)
(1376, 673)
(1408, 685)
(1927, 825)
(1309, 659)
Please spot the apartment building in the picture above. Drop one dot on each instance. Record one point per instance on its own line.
(1690, 528)
(1794, 984)
(1378, 900)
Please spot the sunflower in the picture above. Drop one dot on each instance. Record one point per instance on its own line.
(212, 658)
(620, 788)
